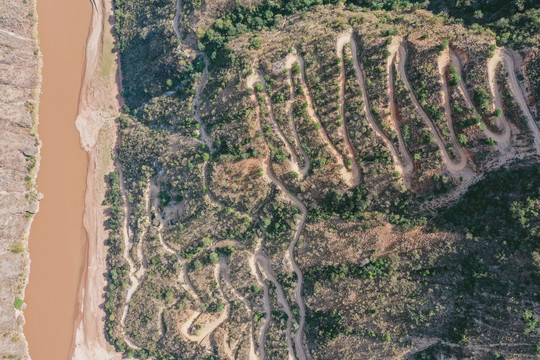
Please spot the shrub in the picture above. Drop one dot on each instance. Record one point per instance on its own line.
(18, 303)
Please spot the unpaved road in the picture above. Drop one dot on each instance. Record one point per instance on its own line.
(243, 300)
(295, 166)
(307, 163)
(367, 108)
(347, 176)
(452, 166)
(506, 134)
(340, 43)
(520, 98)
(407, 163)
(442, 63)
(268, 173)
(266, 301)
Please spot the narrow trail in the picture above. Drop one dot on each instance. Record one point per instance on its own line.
(290, 104)
(345, 173)
(266, 270)
(176, 19)
(127, 246)
(260, 258)
(360, 77)
(227, 279)
(503, 138)
(139, 274)
(340, 43)
(443, 62)
(407, 163)
(520, 98)
(268, 173)
(266, 300)
(197, 103)
(451, 165)
(293, 157)
(212, 325)
(506, 134)
(145, 222)
(184, 278)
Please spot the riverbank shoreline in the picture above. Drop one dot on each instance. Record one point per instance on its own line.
(99, 106)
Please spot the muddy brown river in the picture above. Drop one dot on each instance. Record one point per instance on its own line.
(57, 238)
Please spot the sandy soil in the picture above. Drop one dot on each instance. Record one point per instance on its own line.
(98, 107)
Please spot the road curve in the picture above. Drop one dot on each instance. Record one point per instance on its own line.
(504, 137)
(298, 338)
(347, 176)
(520, 98)
(295, 165)
(340, 43)
(289, 62)
(452, 166)
(367, 109)
(442, 63)
(407, 163)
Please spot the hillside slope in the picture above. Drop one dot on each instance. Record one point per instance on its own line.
(321, 182)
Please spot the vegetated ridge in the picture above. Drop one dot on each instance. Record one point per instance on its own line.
(321, 182)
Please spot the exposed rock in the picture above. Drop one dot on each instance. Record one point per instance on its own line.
(20, 82)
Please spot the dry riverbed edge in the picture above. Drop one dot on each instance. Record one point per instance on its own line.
(98, 107)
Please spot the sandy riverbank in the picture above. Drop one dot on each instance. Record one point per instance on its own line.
(98, 108)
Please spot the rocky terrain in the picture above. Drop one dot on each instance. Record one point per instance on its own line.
(19, 159)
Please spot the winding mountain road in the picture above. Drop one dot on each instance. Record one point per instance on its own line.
(268, 173)
(360, 77)
(289, 62)
(351, 151)
(443, 62)
(346, 175)
(520, 98)
(451, 165)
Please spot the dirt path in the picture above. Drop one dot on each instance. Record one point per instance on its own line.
(268, 273)
(243, 300)
(452, 166)
(127, 246)
(269, 175)
(518, 95)
(442, 64)
(502, 139)
(259, 257)
(407, 163)
(367, 108)
(293, 158)
(346, 175)
(266, 300)
(506, 134)
(340, 43)
(139, 274)
(307, 162)
(212, 325)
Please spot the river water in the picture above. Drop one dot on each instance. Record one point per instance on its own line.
(57, 239)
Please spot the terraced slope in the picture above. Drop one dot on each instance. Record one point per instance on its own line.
(285, 199)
